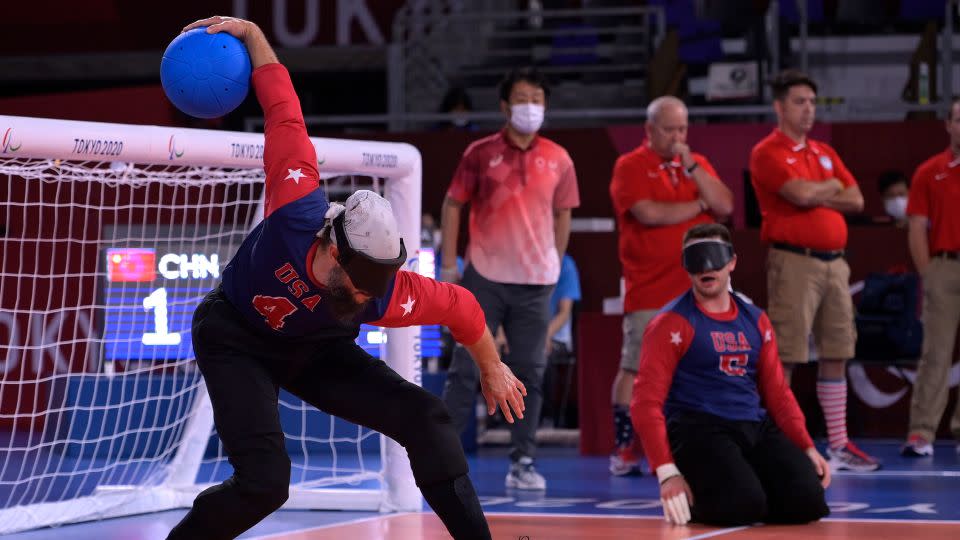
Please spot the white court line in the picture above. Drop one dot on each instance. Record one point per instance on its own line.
(718, 533)
(551, 514)
(283, 534)
(898, 474)
(702, 536)
(332, 525)
(896, 520)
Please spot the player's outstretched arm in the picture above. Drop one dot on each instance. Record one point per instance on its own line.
(419, 300)
(260, 51)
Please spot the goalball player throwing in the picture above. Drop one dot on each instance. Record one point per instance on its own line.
(287, 314)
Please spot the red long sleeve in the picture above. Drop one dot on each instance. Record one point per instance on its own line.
(665, 341)
(289, 158)
(777, 397)
(419, 300)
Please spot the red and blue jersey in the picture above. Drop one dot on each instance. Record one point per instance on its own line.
(269, 279)
(724, 364)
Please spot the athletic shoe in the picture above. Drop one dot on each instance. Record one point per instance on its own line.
(851, 458)
(916, 446)
(522, 475)
(625, 462)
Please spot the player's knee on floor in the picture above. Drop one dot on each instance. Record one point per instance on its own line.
(803, 505)
(734, 508)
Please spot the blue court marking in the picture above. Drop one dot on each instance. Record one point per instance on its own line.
(918, 490)
(906, 488)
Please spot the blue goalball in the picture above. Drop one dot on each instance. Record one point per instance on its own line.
(205, 75)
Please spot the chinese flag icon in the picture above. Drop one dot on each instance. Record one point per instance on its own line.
(131, 264)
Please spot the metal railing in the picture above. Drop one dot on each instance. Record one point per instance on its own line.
(445, 44)
(453, 39)
(559, 118)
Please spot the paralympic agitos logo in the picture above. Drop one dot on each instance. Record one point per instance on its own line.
(172, 148)
(8, 144)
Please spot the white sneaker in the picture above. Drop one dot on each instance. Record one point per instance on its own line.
(851, 458)
(624, 462)
(522, 475)
(916, 446)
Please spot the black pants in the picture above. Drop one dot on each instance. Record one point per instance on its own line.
(524, 312)
(744, 472)
(243, 371)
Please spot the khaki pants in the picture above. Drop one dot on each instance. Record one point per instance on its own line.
(941, 315)
(807, 294)
(634, 324)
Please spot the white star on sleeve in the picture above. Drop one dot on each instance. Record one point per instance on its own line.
(675, 338)
(295, 175)
(408, 306)
(767, 336)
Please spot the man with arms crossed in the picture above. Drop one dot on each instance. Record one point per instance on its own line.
(804, 189)
(659, 190)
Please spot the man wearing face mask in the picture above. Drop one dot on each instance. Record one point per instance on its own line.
(717, 419)
(521, 188)
(934, 239)
(894, 188)
(659, 190)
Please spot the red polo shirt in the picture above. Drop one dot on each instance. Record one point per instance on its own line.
(773, 162)
(935, 194)
(512, 194)
(650, 255)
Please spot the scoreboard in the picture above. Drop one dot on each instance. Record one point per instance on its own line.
(149, 296)
(151, 290)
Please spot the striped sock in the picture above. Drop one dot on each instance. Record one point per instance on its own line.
(832, 395)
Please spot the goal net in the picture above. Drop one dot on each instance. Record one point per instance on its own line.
(110, 235)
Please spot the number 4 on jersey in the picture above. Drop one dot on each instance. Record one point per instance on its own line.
(274, 309)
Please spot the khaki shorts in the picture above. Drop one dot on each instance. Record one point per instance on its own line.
(805, 295)
(634, 323)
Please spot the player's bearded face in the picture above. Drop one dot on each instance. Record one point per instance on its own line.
(344, 301)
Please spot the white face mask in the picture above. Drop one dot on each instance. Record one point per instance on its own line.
(896, 207)
(526, 117)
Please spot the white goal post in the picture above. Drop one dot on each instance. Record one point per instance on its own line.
(74, 194)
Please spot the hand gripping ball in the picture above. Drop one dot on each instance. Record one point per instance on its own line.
(205, 75)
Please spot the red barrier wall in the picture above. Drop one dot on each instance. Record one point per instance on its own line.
(134, 105)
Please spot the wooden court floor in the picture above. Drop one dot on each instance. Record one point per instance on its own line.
(581, 527)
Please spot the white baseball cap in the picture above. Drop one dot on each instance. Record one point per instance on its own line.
(365, 225)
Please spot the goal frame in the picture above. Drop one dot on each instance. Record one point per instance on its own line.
(398, 163)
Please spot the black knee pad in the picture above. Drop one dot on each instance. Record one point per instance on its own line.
(805, 505)
(267, 482)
